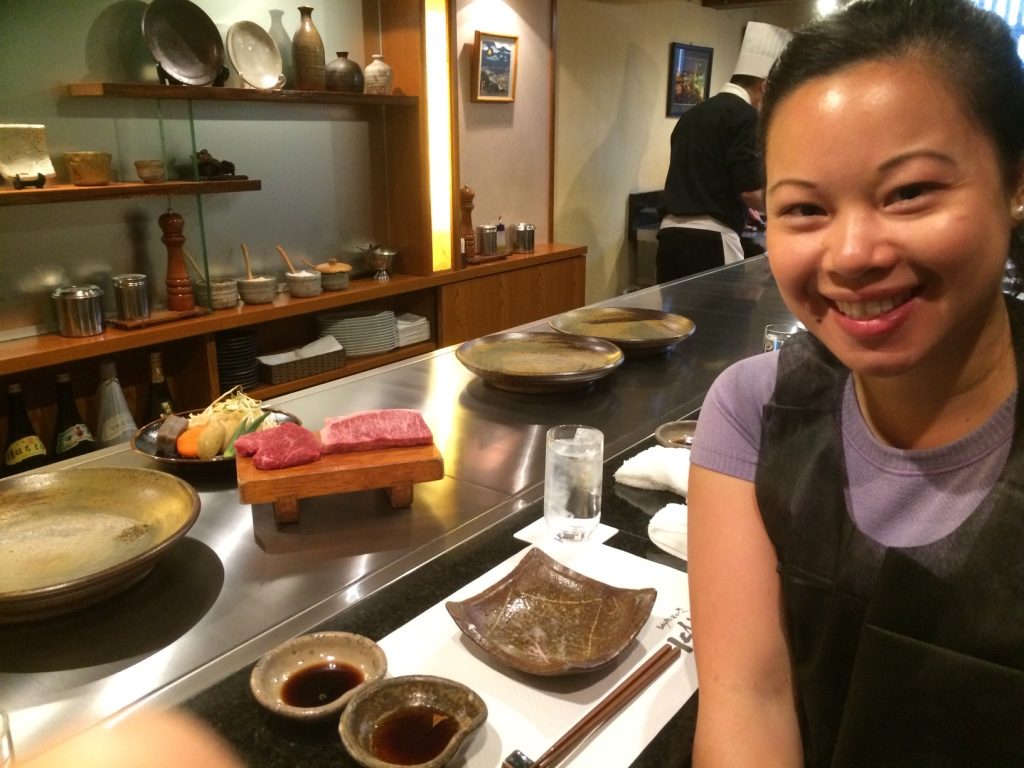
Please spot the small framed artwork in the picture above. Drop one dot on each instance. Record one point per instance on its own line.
(689, 77)
(494, 67)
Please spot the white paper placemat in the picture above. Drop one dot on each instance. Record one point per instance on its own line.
(529, 712)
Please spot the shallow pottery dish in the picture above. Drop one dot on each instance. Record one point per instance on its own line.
(539, 362)
(144, 441)
(676, 434)
(417, 720)
(184, 41)
(547, 619)
(313, 677)
(635, 330)
(73, 537)
(255, 55)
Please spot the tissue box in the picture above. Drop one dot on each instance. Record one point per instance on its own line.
(304, 366)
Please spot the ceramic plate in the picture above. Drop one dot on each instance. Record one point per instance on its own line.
(547, 619)
(637, 331)
(72, 537)
(184, 41)
(144, 441)
(254, 55)
(539, 362)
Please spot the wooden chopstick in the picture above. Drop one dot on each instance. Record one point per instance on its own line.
(609, 706)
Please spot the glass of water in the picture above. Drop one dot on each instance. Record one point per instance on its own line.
(6, 741)
(776, 334)
(573, 471)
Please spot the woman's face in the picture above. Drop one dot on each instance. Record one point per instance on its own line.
(889, 221)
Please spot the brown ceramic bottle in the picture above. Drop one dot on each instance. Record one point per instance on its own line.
(308, 54)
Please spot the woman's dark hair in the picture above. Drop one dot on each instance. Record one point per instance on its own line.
(973, 50)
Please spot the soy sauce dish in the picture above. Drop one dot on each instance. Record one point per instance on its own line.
(313, 677)
(419, 720)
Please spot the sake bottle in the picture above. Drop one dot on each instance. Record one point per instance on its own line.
(115, 423)
(24, 450)
(72, 436)
(159, 403)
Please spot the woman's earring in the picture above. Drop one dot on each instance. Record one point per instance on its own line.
(1018, 212)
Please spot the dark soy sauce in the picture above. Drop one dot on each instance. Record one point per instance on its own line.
(412, 735)
(320, 684)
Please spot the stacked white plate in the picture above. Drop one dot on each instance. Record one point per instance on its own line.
(236, 359)
(361, 333)
(412, 329)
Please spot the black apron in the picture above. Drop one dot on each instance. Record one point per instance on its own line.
(901, 656)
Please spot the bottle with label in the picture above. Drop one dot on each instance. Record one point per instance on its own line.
(72, 435)
(115, 423)
(160, 402)
(24, 450)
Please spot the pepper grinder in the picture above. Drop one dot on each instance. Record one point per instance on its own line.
(179, 285)
(466, 196)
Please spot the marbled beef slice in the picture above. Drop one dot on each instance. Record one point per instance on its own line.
(288, 445)
(370, 430)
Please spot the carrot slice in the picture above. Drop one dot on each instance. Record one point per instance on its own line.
(187, 444)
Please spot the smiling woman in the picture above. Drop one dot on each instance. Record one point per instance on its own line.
(851, 496)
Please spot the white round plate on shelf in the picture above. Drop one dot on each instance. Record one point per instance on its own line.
(255, 56)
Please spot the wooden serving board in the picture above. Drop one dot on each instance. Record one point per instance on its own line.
(393, 469)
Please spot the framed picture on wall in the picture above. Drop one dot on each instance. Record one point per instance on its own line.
(689, 77)
(494, 67)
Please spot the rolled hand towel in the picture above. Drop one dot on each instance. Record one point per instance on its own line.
(667, 529)
(658, 468)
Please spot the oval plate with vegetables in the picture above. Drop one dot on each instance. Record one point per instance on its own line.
(207, 436)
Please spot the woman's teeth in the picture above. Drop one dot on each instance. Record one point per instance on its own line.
(862, 309)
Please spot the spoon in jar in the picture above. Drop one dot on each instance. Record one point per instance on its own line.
(248, 264)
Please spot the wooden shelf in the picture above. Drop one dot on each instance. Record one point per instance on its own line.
(210, 93)
(65, 193)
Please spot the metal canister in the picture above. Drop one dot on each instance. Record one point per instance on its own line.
(79, 310)
(522, 237)
(487, 239)
(132, 296)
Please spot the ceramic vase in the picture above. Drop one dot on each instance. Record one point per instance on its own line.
(344, 75)
(308, 54)
(377, 76)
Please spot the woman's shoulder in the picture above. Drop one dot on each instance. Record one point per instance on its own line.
(728, 436)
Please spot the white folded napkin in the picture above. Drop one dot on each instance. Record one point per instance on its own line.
(667, 528)
(321, 346)
(658, 468)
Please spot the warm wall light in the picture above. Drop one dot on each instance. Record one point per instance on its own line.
(439, 145)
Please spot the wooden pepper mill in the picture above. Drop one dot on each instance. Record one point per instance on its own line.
(466, 195)
(179, 285)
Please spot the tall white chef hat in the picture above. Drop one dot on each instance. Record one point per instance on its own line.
(762, 44)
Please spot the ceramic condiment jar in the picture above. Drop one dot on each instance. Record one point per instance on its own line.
(344, 75)
(377, 76)
(308, 54)
(334, 274)
(303, 283)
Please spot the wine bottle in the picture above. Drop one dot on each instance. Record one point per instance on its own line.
(160, 402)
(24, 450)
(72, 436)
(115, 423)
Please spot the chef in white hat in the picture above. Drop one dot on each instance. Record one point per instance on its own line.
(715, 173)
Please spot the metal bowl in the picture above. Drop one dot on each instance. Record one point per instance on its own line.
(72, 537)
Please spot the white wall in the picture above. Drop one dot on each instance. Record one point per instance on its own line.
(504, 148)
(611, 134)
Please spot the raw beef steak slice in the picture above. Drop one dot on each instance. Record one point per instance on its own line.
(288, 445)
(370, 430)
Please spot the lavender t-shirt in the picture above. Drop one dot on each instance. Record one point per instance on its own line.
(897, 497)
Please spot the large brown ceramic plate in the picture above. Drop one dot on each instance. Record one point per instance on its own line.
(73, 537)
(547, 619)
(636, 330)
(539, 362)
(144, 441)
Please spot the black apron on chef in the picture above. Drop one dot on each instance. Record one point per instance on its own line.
(901, 656)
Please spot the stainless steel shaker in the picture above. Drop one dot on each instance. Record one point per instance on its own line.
(132, 296)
